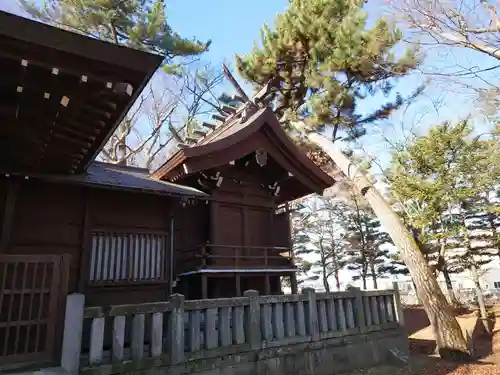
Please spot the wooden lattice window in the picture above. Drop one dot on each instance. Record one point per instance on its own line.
(118, 257)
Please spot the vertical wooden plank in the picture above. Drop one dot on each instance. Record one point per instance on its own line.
(99, 275)
(267, 278)
(358, 310)
(374, 310)
(21, 305)
(289, 319)
(278, 323)
(40, 309)
(382, 310)
(398, 309)
(134, 268)
(368, 310)
(8, 214)
(64, 275)
(138, 337)
(53, 304)
(225, 326)
(266, 321)
(72, 338)
(342, 320)
(331, 314)
(34, 285)
(96, 341)
(118, 338)
(154, 257)
(293, 283)
(156, 335)
(106, 239)
(3, 285)
(204, 286)
(238, 285)
(300, 318)
(161, 258)
(390, 308)
(147, 255)
(113, 256)
(176, 329)
(252, 319)
(140, 255)
(238, 327)
(312, 323)
(86, 245)
(194, 317)
(9, 313)
(210, 331)
(322, 317)
(349, 309)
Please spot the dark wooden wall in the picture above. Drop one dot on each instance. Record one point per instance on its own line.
(124, 210)
(57, 218)
(244, 215)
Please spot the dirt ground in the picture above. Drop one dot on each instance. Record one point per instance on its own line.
(423, 360)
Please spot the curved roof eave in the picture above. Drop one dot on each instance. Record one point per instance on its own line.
(254, 124)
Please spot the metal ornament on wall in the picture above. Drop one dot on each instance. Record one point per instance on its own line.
(261, 157)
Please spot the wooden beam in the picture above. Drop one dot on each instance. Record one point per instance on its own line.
(12, 192)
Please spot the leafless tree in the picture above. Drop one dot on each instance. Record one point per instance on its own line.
(468, 24)
(165, 113)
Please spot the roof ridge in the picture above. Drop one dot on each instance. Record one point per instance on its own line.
(242, 113)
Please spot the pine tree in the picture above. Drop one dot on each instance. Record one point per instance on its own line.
(366, 256)
(300, 241)
(139, 24)
(322, 59)
(447, 172)
(325, 242)
(318, 63)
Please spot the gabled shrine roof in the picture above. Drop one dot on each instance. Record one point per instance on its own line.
(62, 95)
(248, 129)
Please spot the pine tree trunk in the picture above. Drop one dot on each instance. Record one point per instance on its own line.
(364, 281)
(449, 338)
(480, 297)
(449, 288)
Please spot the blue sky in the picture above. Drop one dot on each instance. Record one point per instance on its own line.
(233, 26)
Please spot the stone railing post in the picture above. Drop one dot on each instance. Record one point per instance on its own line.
(312, 322)
(175, 338)
(359, 311)
(252, 320)
(397, 305)
(72, 336)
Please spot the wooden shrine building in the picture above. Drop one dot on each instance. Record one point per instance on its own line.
(241, 239)
(207, 223)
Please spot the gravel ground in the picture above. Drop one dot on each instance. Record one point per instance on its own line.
(421, 364)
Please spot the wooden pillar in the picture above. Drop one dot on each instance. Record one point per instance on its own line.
(8, 214)
(293, 283)
(238, 285)
(204, 286)
(267, 289)
(86, 243)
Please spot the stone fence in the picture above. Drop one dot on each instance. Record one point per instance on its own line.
(179, 336)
